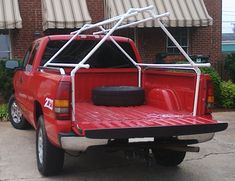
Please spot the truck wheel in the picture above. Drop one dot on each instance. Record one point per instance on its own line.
(50, 159)
(16, 117)
(169, 158)
(118, 96)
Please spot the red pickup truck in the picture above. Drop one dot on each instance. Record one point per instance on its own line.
(77, 98)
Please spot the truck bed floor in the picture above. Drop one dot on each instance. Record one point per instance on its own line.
(90, 116)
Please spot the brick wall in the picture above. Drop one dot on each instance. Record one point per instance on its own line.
(207, 40)
(96, 9)
(150, 41)
(31, 15)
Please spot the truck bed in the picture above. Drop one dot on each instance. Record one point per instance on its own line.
(140, 121)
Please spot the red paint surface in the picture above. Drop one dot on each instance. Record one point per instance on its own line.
(103, 117)
(169, 99)
(86, 80)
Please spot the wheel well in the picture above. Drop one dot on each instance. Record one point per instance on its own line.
(38, 111)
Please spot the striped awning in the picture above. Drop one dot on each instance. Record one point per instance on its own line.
(10, 14)
(183, 13)
(64, 14)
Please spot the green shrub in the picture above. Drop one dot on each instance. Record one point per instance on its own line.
(227, 94)
(6, 87)
(216, 82)
(229, 65)
(3, 112)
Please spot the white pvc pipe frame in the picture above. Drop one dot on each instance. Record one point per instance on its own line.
(119, 20)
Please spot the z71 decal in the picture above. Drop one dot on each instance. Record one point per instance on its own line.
(48, 103)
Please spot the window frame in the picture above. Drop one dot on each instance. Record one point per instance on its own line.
(186, 48)
(7, 32)
(27, 56)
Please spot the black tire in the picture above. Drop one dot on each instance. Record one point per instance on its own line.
(118, 96)
(169, 158)
(50, 159)
(15, 115)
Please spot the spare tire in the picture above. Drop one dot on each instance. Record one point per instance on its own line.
(118, 96)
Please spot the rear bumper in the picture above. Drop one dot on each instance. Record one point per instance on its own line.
(69, 141)
(198, 133)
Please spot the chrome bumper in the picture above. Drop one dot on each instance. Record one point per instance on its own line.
(199, 137)
(74, 143)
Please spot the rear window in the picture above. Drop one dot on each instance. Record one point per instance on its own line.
(107, 56)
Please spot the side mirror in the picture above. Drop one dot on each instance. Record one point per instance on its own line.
(12, 64)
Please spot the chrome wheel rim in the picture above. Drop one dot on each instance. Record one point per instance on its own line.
(16, 113)
(40, 146)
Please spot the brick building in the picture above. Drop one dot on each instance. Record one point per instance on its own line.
(200, 33)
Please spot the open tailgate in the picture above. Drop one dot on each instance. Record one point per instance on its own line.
(144, 121)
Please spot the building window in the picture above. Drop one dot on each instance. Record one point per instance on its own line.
(5, 45)
(182, 37)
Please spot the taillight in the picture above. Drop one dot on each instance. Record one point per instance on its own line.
(62, 103)
(210, 97)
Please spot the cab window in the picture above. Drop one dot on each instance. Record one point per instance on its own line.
(29, 57)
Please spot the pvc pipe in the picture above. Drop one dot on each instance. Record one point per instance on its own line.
(88, 56)
(133, 12)
(136, 23)
(173, 65)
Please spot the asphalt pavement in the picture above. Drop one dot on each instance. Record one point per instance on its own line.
(214, 162)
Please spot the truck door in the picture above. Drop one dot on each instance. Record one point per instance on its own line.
(19, 83)
(25, 83)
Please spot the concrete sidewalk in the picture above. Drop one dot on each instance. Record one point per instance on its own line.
(215, 161)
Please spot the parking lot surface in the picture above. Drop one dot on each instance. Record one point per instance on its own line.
(214, 162)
